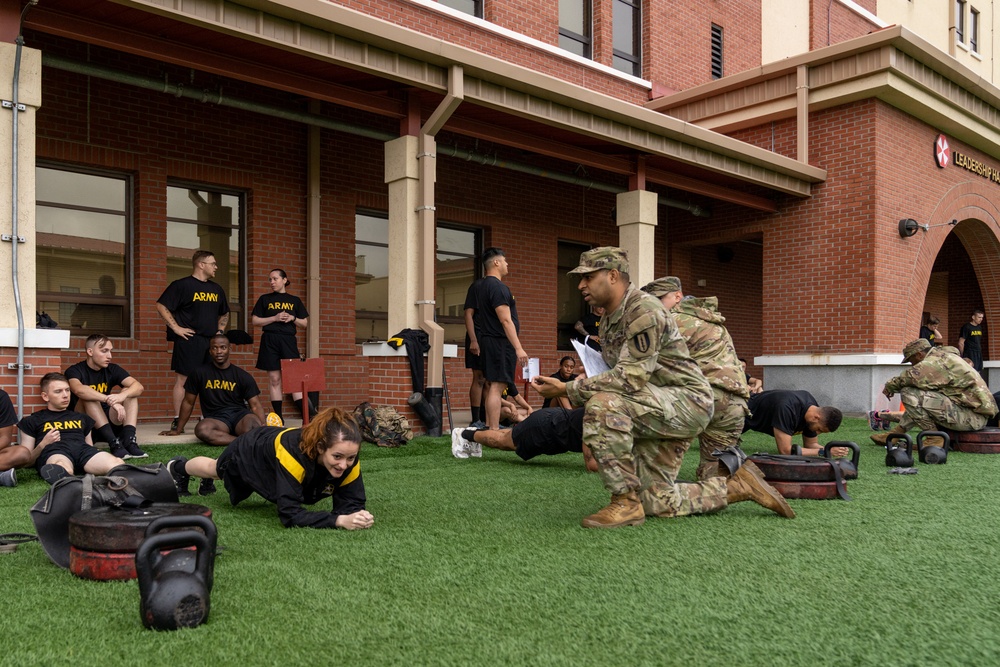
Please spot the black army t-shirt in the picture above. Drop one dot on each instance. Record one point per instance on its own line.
(493, 294)
(102, 380)
(195, 304)
(972, 334)
(8, 417)
(73, 427)
(220, 389)
(780, 409)
(269, 305)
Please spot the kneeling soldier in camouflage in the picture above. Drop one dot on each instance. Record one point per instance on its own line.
(641, 415)
(940, 391)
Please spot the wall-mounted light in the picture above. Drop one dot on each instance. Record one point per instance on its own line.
(908, 227)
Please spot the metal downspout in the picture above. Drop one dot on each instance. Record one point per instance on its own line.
(15, 238)
(313, 119)
(426, 156)
(313, 171)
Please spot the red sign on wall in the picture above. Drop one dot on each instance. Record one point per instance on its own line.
(942, 151)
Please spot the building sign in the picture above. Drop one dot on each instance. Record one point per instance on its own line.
(944, 155)
(942, 152)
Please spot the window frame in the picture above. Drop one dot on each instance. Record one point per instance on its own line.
(960, 21)
(587, 41)
(125, 301)
(974, 22)
(564, 329)
(476, 4)
(636, 59)
(238, 315)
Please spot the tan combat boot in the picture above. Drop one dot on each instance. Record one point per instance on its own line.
(880, 438)
(746, 484)
(623, 510)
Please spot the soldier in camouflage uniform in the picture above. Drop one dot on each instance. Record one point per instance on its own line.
(709, 343)
(940, 391)
(641, 415)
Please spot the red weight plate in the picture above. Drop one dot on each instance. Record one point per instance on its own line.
(978, 447)
(989, 435)
(108, 529)
(102, 566)
(807, 490)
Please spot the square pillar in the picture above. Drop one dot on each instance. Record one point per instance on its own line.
(402, 177)
(637, 233)
(30, 95)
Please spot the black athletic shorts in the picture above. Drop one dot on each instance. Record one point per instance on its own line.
(189, 354)
(274, 348)
(498, 359)
(549, 431)
(227, 472)
(472, 361)
(75, 453)
(231, 417)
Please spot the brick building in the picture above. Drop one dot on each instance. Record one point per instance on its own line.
(373, 149)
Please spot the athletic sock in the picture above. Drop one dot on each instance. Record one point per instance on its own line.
(298, 407)
(106, 433)
(276, 407)
(128, 432)
(482, 413)
(469, 434)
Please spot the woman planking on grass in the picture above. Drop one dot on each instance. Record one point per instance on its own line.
(290, 467)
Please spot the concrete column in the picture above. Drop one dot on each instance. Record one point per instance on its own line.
(637, 232)
(402, 177)
(30, 95)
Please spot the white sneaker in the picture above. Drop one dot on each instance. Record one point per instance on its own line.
(8, 478)
(458, 448)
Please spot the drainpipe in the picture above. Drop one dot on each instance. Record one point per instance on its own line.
(16, 107)
(426, 157)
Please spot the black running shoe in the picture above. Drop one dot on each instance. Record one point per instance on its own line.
(181, 479)
(132, 447)
(52, 473)
(207, 487)
(116, 449)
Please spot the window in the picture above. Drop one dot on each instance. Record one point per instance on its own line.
(456, 268)
(470, 7)
(202, 218)
(627, 40)
(974, 29)
(574, 27)
(83, 228)
(716, 51)
(571, 304)
(960, 21)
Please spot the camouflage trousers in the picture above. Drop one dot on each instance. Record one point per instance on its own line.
(639, 442)
(932, 410)
(723, 431)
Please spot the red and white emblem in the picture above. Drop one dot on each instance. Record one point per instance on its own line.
(942, 151)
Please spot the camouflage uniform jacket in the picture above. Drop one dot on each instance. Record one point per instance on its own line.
(642, 346)
(710, 344)
(947, 373)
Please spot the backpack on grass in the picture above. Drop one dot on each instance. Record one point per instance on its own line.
(383, 425)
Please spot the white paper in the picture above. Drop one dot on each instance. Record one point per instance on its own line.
(592, 360)
(530, 369)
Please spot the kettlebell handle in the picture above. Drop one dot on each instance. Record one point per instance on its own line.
(853, 446)
(153, 545)
(924, 434)
(892, 437)
(189, 521)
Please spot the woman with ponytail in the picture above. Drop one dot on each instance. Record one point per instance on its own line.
(290, 467)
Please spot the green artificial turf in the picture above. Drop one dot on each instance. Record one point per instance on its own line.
(483, 561)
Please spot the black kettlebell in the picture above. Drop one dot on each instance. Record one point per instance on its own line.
(173, 598)
(184, 560)
(895, 456)
(931, 454)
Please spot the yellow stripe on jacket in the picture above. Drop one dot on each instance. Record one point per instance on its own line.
(286, 460)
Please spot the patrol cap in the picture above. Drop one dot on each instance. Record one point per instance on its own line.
(605, 257)
(915, 347)
(663, 286)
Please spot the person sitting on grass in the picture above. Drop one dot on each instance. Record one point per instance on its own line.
(62, 436)
(12, 455)
(224, 390)
(547, 431)
(783, 413)
(566, 373)
(115, 415)
(290, 467)
(940, 391)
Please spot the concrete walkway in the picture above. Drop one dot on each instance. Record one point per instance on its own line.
(149, 434)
